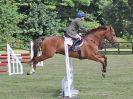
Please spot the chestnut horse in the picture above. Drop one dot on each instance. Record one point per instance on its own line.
(89, 50)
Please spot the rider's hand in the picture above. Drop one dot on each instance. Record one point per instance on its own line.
(80, 34)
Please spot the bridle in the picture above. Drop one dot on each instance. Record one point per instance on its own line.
(110, 35)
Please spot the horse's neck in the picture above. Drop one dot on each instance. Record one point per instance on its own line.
(96, 37)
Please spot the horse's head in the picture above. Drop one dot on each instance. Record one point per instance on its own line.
(111, 36)
(102, 32)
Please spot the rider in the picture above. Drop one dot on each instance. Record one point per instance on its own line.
(75, 28)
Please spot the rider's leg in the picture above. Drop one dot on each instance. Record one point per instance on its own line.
(75, 42)
(78, 39)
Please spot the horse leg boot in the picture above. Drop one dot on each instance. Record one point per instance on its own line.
(102, 60)
(104, 70)
(104, 63)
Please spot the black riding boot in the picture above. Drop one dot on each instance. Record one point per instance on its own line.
(74, 44)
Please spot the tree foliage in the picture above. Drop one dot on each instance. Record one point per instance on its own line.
(119, 15)
(9, 18)
(28, 19)
(42, 20)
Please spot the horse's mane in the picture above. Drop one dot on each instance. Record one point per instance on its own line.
(96, 29)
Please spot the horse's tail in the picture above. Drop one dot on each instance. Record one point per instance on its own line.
(36, 47)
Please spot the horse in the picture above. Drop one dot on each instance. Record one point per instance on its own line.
(89, 50)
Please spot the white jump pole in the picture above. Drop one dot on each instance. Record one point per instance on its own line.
(67, 83)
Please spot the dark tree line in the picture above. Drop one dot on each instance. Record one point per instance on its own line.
(28, 19)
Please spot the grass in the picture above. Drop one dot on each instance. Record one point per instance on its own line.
(45, 83)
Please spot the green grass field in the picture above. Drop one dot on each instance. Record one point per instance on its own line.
(45, 83)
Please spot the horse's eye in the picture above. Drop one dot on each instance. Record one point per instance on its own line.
(113, 34)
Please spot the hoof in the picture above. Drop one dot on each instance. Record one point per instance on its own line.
(104, 70)
(103, 75)
(28, 73)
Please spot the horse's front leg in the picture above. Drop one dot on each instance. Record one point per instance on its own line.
(103, 60)
(104, 69)
(104, 64)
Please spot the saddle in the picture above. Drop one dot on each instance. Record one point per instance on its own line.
(76, 45)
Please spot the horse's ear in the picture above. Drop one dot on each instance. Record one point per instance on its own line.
(111, 26)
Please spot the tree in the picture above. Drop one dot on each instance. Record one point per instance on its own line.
(68, 8)
(49, 17)
(119, 15)
(41, 21)
(9, 18)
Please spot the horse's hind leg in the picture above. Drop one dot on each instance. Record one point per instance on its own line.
(36, 60)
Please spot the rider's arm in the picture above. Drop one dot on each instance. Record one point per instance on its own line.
(81, 28)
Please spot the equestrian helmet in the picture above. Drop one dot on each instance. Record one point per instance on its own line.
(80, 14)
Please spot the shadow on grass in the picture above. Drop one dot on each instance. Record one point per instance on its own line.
(57, 93)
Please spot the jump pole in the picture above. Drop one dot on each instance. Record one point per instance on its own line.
(14, 61)
(14, 64)
(68, 91)
(11, 61)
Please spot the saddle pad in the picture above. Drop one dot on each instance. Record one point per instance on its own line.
(69, 41)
